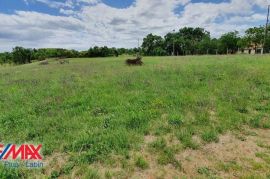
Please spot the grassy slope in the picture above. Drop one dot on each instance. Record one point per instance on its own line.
(92, 108)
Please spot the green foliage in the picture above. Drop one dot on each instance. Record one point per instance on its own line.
(190, 40)
(158, 145)
(55, 174)
(185, 136)
(66, 169)
(210, 136)
(21, 55)
(5, 57)
(98, 145)
(260, 121)
(141, 163)
(206, 171)
(228, 42)
(230, 165)
(102, 52)
(9, 173)
(166, 155)
(175, 120)
(186, 41)
(255, 35)
(153, 45)
(92, 174)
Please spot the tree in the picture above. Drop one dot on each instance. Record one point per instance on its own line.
(242, 43)
(255, 36)
(21, 55)
(174, 42)
(228, 42)
(191, 37)
(39, 54)
(5, 57)
(153, 45)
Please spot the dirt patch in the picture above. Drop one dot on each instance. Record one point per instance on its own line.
(57, 160)
(231, 157)
(236, 155)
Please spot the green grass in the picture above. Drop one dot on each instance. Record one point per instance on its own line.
(141, 163)
(92, 108)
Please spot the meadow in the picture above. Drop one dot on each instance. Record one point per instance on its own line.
(99, 118)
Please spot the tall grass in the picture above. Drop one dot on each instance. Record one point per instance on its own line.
(92, 108)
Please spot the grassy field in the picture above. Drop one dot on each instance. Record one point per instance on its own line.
(98, 118)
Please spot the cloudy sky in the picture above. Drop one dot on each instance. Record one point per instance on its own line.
(80, 24)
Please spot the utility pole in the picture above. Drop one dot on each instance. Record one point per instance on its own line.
(139, 50)
(173, 44)
(266, 29)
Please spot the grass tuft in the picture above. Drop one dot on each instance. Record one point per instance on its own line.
(141, 163)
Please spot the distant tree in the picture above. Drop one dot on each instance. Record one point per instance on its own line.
(186, 41)
(6, 57)
(204, 46)
(255, 36)
(228, 42)
(153, 45)
(21, 55)
(174, 42)
(267, 45)
(39, 54)
(191, 37)
(101, 52)
(242, 43)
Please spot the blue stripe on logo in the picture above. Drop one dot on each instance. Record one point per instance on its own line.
(5, 151)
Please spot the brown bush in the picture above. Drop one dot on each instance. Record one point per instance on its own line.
(136, 61)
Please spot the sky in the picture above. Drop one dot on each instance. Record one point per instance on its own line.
(81, 24)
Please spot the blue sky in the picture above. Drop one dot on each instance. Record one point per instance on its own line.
(80, 24)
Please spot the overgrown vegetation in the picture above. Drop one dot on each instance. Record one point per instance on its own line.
(192, 41)
(94, 110)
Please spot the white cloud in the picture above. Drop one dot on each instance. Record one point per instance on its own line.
(96, 23)
(89, 1)
(52, 3)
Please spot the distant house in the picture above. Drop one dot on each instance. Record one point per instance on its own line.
(252, 49)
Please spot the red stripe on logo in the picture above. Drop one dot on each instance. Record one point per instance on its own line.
(1, 146)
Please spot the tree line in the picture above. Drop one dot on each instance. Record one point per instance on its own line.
(20, 55)
(196, 41)
(185, 41)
